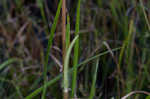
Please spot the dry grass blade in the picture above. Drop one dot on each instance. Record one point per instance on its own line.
(135, 92)
(57, 62)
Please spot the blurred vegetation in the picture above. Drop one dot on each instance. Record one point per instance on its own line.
(112, 55)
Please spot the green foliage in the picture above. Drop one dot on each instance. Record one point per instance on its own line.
(25, 29)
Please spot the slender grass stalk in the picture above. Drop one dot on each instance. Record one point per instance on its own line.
(64, 28)
(125, 44)
(76, 51)
(51, 36)
(40, 5)
(66, 63)
(68, 33)
(129, 58)
(66, 95)
(116, 10)
(92, 92)
(113, 9)
(143, 76)
(54, 80)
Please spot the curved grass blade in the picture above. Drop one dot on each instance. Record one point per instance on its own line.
(66, 63)
(6, 63)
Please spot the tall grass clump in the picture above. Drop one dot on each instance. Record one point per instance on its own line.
(98, 52)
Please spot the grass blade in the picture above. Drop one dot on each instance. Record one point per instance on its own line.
(68, 33)
(76, 51)
(49, 46)
(92, 93)
(66, 63)
(146, 18)
(40, 5)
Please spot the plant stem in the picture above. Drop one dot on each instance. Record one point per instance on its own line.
(64, 28)
(66, 95)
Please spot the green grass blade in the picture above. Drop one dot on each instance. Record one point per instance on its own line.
(49, 83)
(49, 46)
(123, 49)
(92, 92)
(40, 5)
(113, 9)
(125, 43)
(68, 33)
(76, 51)
(66, 63)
